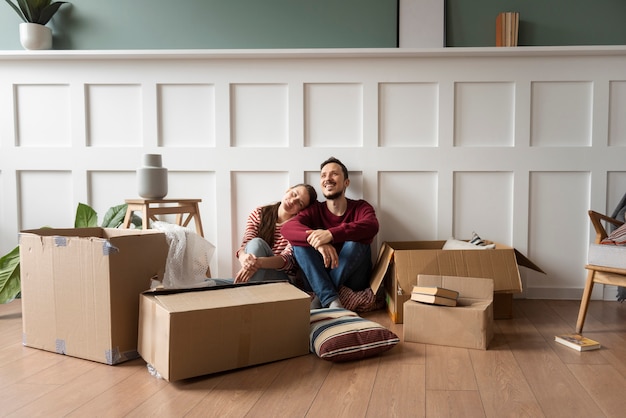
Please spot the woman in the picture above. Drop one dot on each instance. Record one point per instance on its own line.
(264, 253)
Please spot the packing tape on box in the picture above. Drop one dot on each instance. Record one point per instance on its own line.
(108, 249)
(60, 241)
(59, 346)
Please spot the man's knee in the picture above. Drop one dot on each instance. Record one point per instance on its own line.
(356, 252)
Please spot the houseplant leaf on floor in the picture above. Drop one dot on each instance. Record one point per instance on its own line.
(34, 34)
(10, 276)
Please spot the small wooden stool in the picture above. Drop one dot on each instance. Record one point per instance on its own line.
(150, 208)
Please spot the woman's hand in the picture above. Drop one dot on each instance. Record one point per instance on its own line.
(250, 264)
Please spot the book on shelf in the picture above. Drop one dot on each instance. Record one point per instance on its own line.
(433, 299)
(577, 342)
(507, 28)
(436, 291)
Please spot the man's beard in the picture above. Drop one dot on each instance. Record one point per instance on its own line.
(333, 196)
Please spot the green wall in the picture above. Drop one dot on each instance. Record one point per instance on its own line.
(207, 24)
(200, 24)
(542, 22)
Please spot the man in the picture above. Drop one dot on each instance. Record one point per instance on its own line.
(331, 240)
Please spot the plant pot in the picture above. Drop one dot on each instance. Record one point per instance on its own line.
(34, 36)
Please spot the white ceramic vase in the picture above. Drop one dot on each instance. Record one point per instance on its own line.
(152, 177)
(34, 36)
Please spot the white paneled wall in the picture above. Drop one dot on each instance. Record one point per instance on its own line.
(513, 143)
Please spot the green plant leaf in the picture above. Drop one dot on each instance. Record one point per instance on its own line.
(136, 220)
(86, 217)
(114, 216)
(49, 11)
(10, 284)
(17, 10)
(36, 11)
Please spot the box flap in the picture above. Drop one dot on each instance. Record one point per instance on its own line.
(522, 260)
(499, 264)
(68, 232)
(385, 254)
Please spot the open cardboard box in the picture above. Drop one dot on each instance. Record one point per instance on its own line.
(80, 288)
(194, 332)
(467, 325)
(399, 264)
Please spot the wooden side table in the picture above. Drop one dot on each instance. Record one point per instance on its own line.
(150, 208)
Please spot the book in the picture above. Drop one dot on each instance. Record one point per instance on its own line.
(436, 291)
(500, 30)
(507, 28)
(433, 299)
(577, 342)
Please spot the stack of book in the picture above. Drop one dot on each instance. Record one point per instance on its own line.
(507, 28)
(434, 295)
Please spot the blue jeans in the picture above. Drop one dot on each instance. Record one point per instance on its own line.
(354, 270)
(260, 248)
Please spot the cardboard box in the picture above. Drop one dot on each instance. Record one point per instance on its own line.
(210, 330)
(467, 325)
(80, 289)
(399, 263)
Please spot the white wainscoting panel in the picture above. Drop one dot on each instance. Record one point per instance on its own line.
(558, 218)
(115, 115)
(408, 114)
(260, 115)
(43, 115)
(477, 194)
(333, 115)
(516, 144)
(186, 115)
(617, 110)
(407, 205)
(46, 199)
(492, 123)
(562, 113)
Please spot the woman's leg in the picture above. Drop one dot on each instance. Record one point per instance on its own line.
(260, 248)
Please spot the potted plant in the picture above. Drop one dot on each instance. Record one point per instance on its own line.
(34, 34)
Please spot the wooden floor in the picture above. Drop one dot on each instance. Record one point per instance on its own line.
(524, 373)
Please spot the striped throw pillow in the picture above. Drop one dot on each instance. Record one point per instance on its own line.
(617, 237)
(341, 335)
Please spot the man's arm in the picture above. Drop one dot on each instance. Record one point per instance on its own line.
(295, 230)
(361, 224)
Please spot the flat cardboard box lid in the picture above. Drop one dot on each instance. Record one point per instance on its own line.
(187, 300)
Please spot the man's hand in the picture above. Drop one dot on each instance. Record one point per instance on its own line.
(318, 237)
(329, 254)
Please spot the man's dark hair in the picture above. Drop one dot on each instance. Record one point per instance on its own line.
(336, 161)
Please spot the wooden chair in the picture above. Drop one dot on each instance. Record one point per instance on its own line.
(599, 274)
